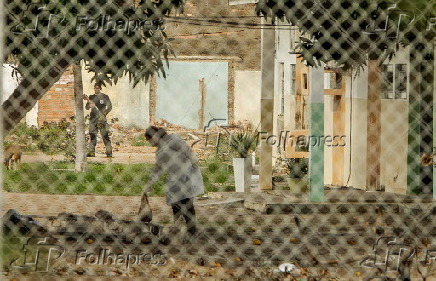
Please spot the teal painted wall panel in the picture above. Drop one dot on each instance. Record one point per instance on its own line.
(178, 96)
(316, 165)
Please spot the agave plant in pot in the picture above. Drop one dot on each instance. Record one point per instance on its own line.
(297, 170)
(243, 143)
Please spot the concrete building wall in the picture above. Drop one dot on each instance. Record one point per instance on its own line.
(394, 127)
(32, 116)
(247, 96)
(393, 158)
(179, 95)
(284, 114)
(9, 84)
(130, 105)
(394, 134)
(194, 38)
(394, 124)
(355, 128)
(283, 39)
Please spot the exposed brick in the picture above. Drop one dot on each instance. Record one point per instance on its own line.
(58, 102)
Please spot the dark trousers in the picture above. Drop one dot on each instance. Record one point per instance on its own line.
(186, 209)
(103, 127)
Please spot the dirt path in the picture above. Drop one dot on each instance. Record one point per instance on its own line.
(123, 207)
(129, 155)
(50, 205)
(118, 157)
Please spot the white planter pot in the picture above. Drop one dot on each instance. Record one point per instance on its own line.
(242, 170)
(298, 185)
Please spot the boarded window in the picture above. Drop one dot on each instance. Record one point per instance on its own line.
(282, 87)
(394, 81)
(305, 81)
(401, 81)
(332, 80)
(295, 40)
(387, 81)
(293, 78)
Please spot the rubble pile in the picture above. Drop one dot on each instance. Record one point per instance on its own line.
(17, 224)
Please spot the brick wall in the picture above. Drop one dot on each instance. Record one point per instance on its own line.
(217, 38)
(58, 102)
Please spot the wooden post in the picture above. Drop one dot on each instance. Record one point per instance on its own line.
(316, 162)
(231, 93)
(374, 126)
(338, 152)
(80, 162)
(266, 107)
(202, 88)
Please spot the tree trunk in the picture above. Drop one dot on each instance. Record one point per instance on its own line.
(29, 91)
(80, 163)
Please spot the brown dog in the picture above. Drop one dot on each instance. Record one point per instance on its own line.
(12, 154)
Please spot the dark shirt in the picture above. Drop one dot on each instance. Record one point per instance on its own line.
(103, 104)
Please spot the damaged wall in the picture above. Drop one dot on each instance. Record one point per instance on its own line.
(221, 40)
(247, 96)
(179, 95)
(58, 102)
(203, 29)
(130, 105)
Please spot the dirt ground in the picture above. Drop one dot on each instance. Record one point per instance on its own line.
(122, 154)
(125, 155)
(123, 207)
(241, 243)
(40, 205)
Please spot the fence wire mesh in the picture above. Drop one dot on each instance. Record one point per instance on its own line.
(292, 140)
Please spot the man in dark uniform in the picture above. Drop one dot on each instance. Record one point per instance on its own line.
(100, 106)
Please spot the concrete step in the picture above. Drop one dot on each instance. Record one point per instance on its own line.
(266, 207)
(226, 202)
(322, 208)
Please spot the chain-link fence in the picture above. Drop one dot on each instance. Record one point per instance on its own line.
(289, 140)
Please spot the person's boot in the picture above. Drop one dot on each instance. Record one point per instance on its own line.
(109, 152)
